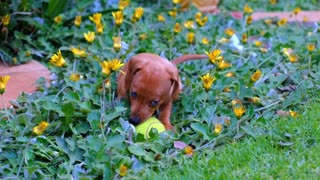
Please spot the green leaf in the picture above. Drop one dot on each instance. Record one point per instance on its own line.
(200, 129)
(72, 96)
(62, 144)
(68, 109)
(94, 118)
(281, 143)
(140, 152)
(50, 105)
(85, 106)
(118, 111)
(80, 128)
(115, 140)
(245, 92)
(55, 7)
(249, 130)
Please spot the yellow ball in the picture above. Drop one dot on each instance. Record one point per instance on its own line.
(150, 123)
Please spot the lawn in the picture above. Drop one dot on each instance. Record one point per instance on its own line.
(288, 150)
(250, 110)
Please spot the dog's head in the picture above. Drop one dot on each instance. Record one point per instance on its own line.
(151, 82)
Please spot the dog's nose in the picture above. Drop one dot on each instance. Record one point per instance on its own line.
(134, 120)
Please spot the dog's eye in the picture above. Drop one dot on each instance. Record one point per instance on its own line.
(154, 103)
(133, 94)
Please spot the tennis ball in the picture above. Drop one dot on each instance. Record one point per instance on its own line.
(145, 127)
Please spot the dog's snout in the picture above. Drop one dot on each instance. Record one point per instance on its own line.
(134, 120)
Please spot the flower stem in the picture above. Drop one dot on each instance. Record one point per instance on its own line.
(4, 107)
(103, 109)
(22, 158)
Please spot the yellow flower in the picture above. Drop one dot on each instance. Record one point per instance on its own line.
(263, 50)
(143, 36)
(239, 110)
(236, 102)
(107, 83)
(176, 1)
(89, 36)
(74, 77)
(6, 20)
(77, 20)
(110, 66)
(205, 41)
(123, 170)
(223, 40)
(256, 76)
(118, 17)
(296, 10)
(268, 21)
(207, 81)
(28, 54)
(305, 19)
(189, 24)
(203, 21)
(273, 2)
(215, 56)
(38, 130)
(230, 74)
(244, 38)
(198, 16)
(106, 69)
(173, 12)
(96, 18)
(222, 64)
(311, 47)
(123, 4)
(188, 150)
(226, 89)
(15, 60)
(3, 83)
(161, 18)
(287, 51)
(293, 58)
(57, 59)
(58, 19)
(229, 32)
(177, 28)
(116, 43)
(282, 22)
(137, 14)
(290, 54)
(99, 28)
(218, 128)
(78, 52)
(247, 9)
(293, 113)
(190, 37)
(258, 43)
(255, 100)
(249, 20)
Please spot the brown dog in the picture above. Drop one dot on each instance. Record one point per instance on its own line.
(152, 83)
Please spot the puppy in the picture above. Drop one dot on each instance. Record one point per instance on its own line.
(152, 83)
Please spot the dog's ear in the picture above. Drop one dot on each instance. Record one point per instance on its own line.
(176, 84)
(134, 65)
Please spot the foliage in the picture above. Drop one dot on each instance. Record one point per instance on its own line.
(87, 134)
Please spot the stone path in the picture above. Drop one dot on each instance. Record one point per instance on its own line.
(22, 79)
(311, 16)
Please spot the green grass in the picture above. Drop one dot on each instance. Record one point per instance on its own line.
(290, 150)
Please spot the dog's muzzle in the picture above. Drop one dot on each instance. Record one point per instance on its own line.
(134, 120)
